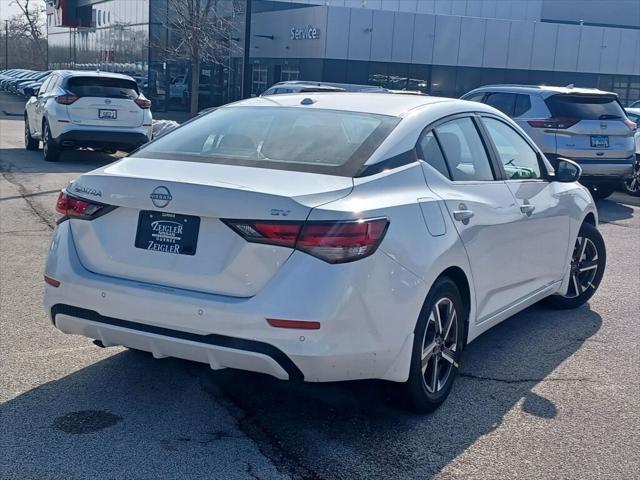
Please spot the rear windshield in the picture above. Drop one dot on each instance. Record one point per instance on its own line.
(585, 107)
(103, 87)
(309, 140)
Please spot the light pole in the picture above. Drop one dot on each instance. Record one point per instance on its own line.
(6, 44)
(246, 66)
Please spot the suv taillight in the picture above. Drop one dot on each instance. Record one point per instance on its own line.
(559, 123)
(143, 103)
(632, 125)
(80, 208)
(66, 99)
(333, 242)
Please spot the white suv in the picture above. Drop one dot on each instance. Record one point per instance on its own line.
(586, 125)
(75, 109)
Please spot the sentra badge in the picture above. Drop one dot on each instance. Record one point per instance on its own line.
(87, 190)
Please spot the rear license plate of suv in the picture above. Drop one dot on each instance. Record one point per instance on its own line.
(600, 141)
(167, 232)
(107, 114)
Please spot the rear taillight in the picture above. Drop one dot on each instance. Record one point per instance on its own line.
(284, 234)
(143, 103)
(632, 125)
(333, 242)
(559, 123)
(66, 99)
(80, 208)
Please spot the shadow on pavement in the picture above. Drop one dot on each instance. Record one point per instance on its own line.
(10, 115)
(610, 211)
(136, 407)
(70, 160)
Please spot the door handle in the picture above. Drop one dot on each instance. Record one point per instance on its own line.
(463, 215)
(527, 209)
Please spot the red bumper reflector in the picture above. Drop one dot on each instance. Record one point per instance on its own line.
(52, 281)
(297, 324)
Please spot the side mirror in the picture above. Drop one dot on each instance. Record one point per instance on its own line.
(29, 92)
(567, 171)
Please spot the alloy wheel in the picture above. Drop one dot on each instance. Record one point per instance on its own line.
(584, 267)
(47, 139)
(439, 345)
(632, 182)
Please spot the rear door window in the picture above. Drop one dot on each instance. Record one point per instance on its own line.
(585, 107)
(464, 151)
(476, 97)
(523, 105)
(103, 87)
(505, 102)
(432, 154)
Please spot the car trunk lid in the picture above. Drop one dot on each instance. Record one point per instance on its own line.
(187, 199)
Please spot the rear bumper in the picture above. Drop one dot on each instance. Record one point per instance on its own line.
(367, 317)
(126, 141)
(601, 170)
(218, 351)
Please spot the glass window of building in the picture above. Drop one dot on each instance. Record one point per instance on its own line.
(259, 75)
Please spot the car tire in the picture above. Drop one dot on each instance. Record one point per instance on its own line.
(588, 262)
(437, 346)
(30, 143)
(631, 184)
(600, 192)
(50, 149)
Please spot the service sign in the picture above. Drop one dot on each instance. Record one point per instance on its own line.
(305, 33)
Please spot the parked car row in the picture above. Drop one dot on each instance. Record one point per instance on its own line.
(589, 126)
(22, 82)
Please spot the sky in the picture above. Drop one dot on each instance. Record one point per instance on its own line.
(7, 10)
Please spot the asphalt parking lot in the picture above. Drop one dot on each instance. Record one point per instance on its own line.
(546, 394)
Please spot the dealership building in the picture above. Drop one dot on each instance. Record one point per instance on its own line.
(440, 47)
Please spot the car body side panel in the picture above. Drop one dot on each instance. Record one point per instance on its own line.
(545, 226)
(580, 206)
(420, 252)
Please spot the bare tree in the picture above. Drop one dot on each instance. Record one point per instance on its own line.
(29, 24)
(201, 33)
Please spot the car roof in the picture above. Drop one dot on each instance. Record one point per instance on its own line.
(92, 73)
(349, 87)
(376, 103)
(542, 90)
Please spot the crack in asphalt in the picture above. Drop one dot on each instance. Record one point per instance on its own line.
(26, 233)
(617, 224)
(7, 174)
(250, 471)
(526, 380)
(268, 445)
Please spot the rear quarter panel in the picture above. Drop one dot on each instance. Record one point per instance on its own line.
(408, 241)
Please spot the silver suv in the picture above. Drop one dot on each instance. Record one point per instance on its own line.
(586, 125)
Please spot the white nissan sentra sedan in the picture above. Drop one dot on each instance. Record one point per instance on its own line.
(324, 237)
